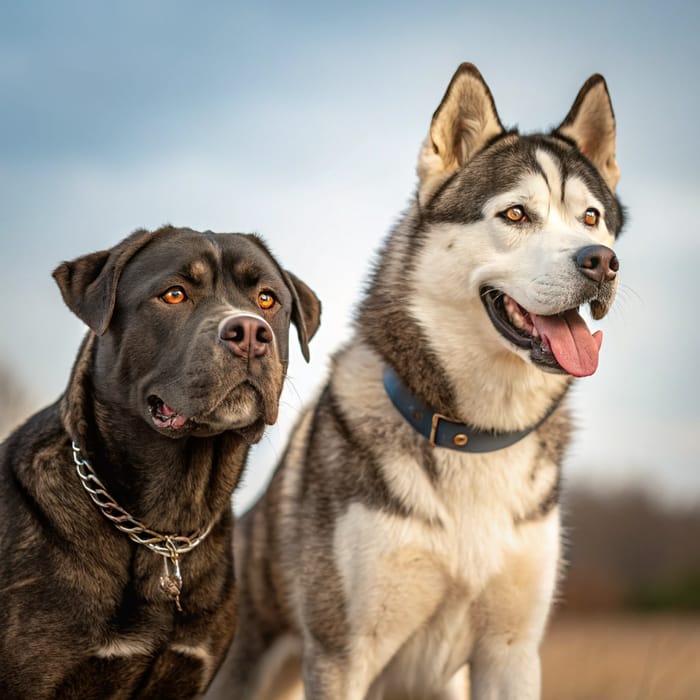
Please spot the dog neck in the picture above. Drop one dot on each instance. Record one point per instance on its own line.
(446, 357)
(442, 431)
(386, 325)
(191, 485)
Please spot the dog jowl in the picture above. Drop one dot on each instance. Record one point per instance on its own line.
(116, 564)
(411, 529)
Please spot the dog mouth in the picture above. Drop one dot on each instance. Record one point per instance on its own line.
(166, 417)
(241, 409)
(559, 343)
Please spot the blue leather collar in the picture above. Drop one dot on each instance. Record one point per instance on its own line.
(442, 431)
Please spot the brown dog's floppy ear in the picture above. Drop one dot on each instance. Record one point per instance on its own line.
(89, 284)
(306, 311)
(306, 307)
(462, 125)
(590, 124)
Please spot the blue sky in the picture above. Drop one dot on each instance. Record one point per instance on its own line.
(302, 121)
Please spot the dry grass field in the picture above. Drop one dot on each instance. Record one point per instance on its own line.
(622, 657)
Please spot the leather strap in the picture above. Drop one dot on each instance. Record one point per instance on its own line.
(442, 431)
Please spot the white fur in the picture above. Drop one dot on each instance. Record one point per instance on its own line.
(124, 647)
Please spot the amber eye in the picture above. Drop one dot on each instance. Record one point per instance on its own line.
(266, 300)
(515, 214)
(174, 295)
(590, 218)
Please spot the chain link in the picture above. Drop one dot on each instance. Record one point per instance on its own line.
(170, 546)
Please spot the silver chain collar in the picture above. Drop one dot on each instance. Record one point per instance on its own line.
(170, 547)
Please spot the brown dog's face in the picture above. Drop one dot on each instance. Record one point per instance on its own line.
(196, 342)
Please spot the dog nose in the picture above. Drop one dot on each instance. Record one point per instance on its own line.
(246, 335)
(598, 262)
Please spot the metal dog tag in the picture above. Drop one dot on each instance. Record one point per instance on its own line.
(171, 580)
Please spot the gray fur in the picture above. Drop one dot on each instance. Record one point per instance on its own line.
(391, 562)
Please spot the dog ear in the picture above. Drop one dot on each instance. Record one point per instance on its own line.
(89, 284)
(590, 124)
(306, 310)
(462, 125)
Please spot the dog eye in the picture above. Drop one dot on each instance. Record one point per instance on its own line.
(515, 214)
(266, 300)
(590, 218)
(174, 295)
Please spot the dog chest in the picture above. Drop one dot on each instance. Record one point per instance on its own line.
(415, 585)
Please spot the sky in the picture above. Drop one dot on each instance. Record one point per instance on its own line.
(302, 122)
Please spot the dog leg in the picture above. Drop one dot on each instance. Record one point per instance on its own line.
(503, 672)
(328, 678)
(257, 669)
(279, 676)
(457, 688)
(512, 614)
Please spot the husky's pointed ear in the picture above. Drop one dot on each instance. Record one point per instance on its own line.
(591, 125)
(306, 311)
(463, 123)
(89, 284)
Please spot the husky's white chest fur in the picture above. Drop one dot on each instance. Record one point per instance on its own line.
(469, 542)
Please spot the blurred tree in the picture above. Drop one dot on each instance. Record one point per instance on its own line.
(627, 550)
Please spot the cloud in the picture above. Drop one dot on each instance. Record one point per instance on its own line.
(303, 124)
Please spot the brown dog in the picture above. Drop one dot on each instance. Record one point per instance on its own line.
(116, 569)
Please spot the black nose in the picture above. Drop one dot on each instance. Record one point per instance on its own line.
(246, 335)
(598, 263)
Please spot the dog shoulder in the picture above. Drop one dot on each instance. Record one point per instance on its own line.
(23, 451)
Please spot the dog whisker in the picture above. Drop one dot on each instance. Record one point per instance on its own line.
(289, 381)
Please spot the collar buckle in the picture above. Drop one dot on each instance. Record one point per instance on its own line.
(458, 439)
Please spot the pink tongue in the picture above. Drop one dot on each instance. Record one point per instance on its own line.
(176, 420)
(572, 344)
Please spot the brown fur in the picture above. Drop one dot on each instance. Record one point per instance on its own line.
(83, 614)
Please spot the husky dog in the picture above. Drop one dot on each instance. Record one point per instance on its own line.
(412, 527)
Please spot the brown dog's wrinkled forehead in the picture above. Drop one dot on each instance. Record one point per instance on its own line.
(202, 259)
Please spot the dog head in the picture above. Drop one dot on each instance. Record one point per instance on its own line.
(192, 328)
(522, 226)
